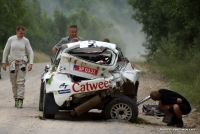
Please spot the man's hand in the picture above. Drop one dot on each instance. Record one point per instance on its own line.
(4, 66)
(30, 67)
(54, 50)
(167, 107)
(179, 100)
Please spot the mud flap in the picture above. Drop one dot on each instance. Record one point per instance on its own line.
(50, 106)
(130, 90)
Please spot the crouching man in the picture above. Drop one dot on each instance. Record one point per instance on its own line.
(172, 104)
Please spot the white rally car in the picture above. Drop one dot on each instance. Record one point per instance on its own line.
(90, 75)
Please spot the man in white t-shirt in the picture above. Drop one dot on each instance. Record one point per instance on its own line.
(15, 51)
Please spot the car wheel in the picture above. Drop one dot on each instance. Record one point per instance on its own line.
(123, 108)
(50, 108)
(41, 96)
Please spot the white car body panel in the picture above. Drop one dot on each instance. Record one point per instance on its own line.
(130, 74)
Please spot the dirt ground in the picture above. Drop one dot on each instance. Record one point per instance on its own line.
(27, 120)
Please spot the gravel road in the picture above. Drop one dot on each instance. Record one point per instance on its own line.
(27, 121)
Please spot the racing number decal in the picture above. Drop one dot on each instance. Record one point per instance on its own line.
(85, 70)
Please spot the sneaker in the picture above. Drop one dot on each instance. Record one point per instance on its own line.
(20, 103)
(166, 119)
(16, 102)
(179, 123)
(173, 121)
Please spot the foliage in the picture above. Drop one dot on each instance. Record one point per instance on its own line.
(182, 76)
(160, 18)
(109, 9)
(50, 80)
(11, 13)
(172, 32)
(41, 57)
(143, 121)
(102, 18)
(42, 30)
(61, 22)
(46, 32)
(154, 21)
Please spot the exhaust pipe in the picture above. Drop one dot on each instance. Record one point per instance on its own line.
(143, 100)
(86, 106)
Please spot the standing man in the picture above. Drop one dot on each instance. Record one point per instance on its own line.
(172, 104)
(15, 50)
(73, 30)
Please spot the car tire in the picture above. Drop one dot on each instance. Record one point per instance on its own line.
(50, 108)
(41, 96)
(122, 107)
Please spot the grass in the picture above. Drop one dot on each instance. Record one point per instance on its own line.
(143, 121)
(41, 57)
(38, 57)
(183, 77)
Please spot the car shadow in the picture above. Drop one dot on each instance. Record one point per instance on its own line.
(89, 116)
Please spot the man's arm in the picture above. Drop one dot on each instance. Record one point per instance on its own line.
(80, 38)
(164, 107)
(58, 45)
(172, 100)
(30, 51)
(31, 55)
(5, 53)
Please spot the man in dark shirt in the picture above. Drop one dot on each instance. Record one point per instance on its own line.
(172, 104)
(73, 30)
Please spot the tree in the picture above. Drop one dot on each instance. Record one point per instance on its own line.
(149, 14)
(11, 14)
(61, 22)
(160, 18)
(42, 31)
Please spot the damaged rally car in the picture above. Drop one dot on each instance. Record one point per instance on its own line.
(90, 75)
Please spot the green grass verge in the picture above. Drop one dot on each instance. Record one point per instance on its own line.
(41, 57)
(38, 57)
(143, 121)
(183, 77)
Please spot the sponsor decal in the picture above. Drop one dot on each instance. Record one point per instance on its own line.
(64, 91)
(85, 70)
(63, 85)
(78, 87)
